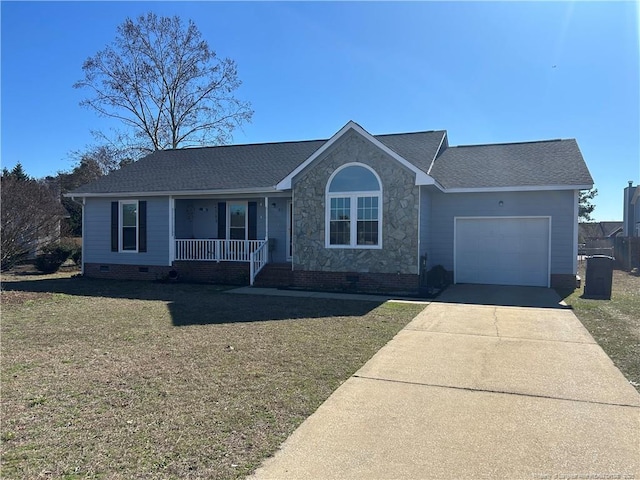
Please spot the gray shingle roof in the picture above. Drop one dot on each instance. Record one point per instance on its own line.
(543, 163)
(208, 168)
(262, 166)
(595, 230)
(236, 167)
(418, 148)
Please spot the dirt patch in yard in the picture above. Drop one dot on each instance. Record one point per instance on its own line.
(18, 298)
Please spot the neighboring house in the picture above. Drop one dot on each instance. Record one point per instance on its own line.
(631, 211)
(598, 238)
(598, 231)
(357, 211)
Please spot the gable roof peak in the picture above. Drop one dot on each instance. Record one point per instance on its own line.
(422, 178)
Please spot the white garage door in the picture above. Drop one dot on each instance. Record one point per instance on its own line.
(502, 251)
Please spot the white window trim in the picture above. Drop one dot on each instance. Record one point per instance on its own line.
(353, 221)
(246, 219)
(121, 203)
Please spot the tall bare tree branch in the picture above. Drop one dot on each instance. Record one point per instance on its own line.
(162, 81)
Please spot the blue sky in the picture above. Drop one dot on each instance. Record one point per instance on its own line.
(486, 72)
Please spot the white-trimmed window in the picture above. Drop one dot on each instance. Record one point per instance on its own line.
(354, 208)
(128, 226)
(237, 221)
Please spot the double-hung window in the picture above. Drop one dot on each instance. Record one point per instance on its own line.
(129, 226)
(354, 208)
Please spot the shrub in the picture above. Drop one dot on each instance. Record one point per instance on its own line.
(76, 255)
(52, 257)
(74, 246)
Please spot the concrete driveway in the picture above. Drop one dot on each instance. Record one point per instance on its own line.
(487, 382)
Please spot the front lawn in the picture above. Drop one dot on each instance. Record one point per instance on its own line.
(105, 379)
(615, 323)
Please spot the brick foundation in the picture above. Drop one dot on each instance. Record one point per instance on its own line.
(225, 273)
(126, 272)
(356, 282)
(237, 273)
(564, 281)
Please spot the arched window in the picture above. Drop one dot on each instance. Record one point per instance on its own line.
(354, 208)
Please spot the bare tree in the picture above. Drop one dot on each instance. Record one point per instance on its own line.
(162, 81)
(30, 217)
(96, 160)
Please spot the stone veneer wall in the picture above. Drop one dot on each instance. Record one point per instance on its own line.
(400, 198)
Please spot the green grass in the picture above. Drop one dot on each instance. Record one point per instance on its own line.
(105, 379)
(615, 323)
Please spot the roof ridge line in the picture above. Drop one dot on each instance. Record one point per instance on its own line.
(407, 133)
(250, 144)
(512, 143)
(241, 145)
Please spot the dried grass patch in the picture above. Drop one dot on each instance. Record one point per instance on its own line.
(615, 323)
(140, 380)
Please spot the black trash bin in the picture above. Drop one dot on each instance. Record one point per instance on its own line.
(599, 277)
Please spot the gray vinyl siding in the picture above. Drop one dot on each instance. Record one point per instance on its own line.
(205, 221)
(184, 226)
(261, 229)
(278, 229)
(97, 233)
(198, 218)
(442, 208)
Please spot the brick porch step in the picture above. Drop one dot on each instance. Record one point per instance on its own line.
(275, 275)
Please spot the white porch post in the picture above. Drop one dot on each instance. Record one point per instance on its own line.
(576, 219)
(172, 230)
(293, 245)
(266, 218)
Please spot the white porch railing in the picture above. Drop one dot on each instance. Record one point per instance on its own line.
(258, 260)
(219, 250)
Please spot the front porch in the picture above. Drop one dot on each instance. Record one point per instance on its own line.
(214, 250)
(251, 230)
(255, 252)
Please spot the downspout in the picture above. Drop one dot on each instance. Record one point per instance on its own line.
(172, 230)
